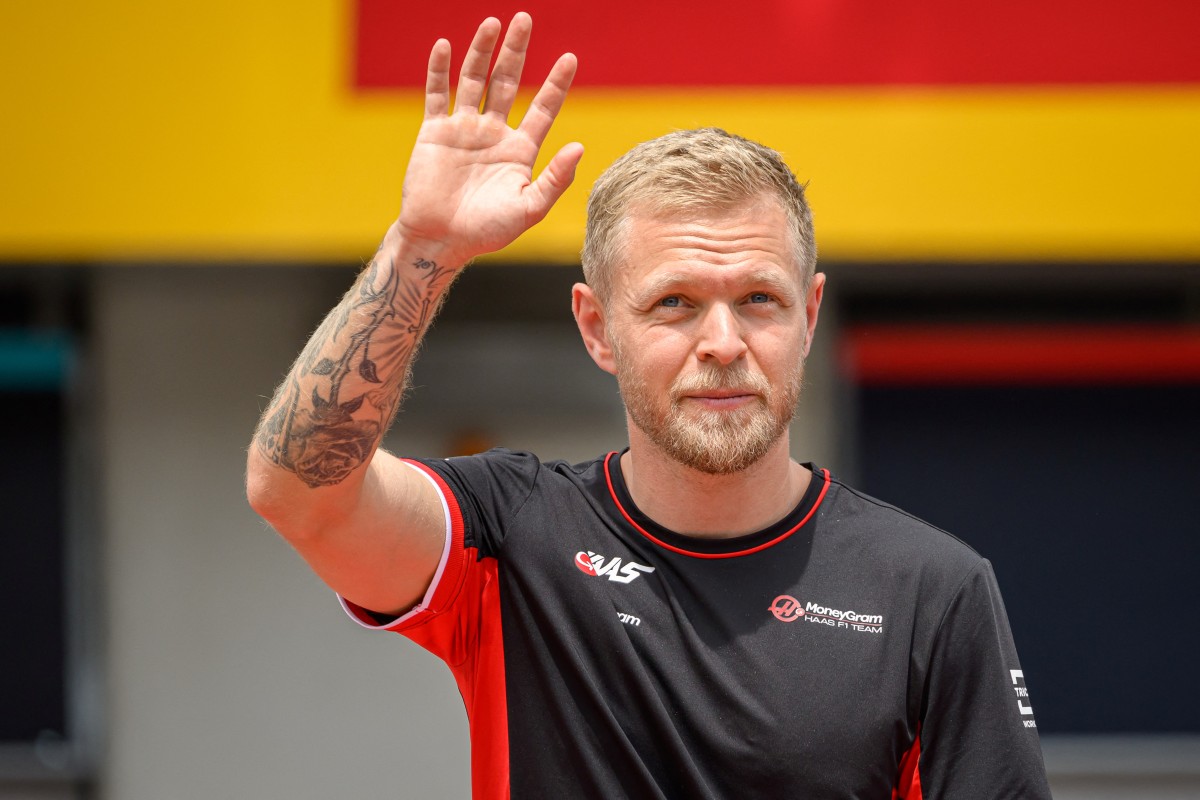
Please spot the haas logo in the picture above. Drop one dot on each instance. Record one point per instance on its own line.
(590, 563)
(786, 608)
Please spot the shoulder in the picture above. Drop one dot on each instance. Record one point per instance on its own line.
(511, 472)
(501, 462)
(895, 538)
(489, 492)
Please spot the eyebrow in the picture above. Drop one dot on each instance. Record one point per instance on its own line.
(676, 283)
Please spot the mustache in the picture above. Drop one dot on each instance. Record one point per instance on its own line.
(716, 378)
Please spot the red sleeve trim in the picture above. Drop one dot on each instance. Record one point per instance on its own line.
(481, 681)
(459, 621)
(908, 785)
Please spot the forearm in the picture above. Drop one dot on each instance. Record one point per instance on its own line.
(330, 413)
(468, 189)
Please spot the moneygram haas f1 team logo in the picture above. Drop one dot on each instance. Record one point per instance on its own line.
(788, 609)
(590, 563)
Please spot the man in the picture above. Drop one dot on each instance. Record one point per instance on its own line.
(697, 616)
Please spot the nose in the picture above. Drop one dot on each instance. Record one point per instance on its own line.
(720, 336)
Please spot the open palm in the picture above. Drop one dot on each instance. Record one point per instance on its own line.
(469, 185)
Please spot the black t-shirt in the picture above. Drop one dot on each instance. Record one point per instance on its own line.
(848, 651)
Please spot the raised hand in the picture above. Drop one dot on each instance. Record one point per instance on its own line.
(469, 187)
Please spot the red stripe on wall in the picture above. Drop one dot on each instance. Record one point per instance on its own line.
(898, 355)
(804, 42)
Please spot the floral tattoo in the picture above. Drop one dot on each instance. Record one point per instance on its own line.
(329, 414)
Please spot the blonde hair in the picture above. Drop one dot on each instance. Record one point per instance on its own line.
(704, 169)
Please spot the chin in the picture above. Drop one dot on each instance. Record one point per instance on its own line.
(718, 464)
(733, 447)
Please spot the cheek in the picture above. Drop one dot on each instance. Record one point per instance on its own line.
(780, 353)
(648, 370)
(660, 347)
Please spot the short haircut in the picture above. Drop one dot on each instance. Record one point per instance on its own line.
(694, 170)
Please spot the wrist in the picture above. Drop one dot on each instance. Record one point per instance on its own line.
(406, 244)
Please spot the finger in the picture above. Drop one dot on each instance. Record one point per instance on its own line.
(472, 80)
(554, 180)
(437, 80)
(506, 75)
(549, 99)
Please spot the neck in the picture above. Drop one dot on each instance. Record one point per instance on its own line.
(696, 503)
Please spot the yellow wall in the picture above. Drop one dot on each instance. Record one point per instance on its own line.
(226, 129)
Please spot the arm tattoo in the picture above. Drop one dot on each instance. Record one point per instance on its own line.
(331, 411)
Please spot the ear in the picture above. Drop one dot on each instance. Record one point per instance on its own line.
(589, 316)
(812, 308)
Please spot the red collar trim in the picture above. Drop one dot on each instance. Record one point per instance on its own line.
(612, 493)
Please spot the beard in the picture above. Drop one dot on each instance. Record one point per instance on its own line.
(714, 442)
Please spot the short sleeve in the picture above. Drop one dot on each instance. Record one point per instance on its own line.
(490, 489)
(978, 736)
(458, 619)
(480, 495)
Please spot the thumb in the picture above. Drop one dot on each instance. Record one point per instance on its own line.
(544, 192)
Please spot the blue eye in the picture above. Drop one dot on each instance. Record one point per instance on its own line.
(760, 297)
(671, 302)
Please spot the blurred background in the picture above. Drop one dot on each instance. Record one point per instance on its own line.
(1007, 201)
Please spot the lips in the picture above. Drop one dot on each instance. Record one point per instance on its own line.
(721, 389)
(721, 395)
(721, 382)
(721, 400)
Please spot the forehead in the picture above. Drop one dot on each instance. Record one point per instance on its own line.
(754, 238)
